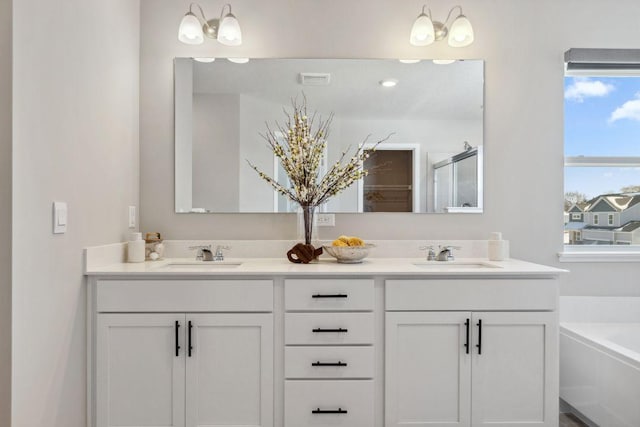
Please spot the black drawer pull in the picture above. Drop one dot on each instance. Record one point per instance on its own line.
(177, 325)
(338, 363)
(189, 344)
(479, 345)
(320, 330)
(329, 411)
(330, 296)
(466, 344)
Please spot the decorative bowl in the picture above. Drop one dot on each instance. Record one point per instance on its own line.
(349, 254)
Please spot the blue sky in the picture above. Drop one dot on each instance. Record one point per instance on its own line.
(602, 118)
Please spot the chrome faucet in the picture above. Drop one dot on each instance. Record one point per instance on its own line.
(204, 252)
(431, 255)
(219, 255)
(446, 253)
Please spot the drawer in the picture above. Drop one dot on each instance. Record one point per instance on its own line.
(471, 294)
(328, 295)
(308, 403)
(328, 362)
(328, 328)
(184, 295)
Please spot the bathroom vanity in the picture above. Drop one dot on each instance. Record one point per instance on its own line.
(263, 342)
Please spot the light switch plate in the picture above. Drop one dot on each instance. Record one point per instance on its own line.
(132, 217)
(326, 220)
(59, 217)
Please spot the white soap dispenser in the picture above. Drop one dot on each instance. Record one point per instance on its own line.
(498, 249)
(135, 248)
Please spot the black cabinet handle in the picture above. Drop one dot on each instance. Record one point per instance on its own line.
(321, 330)
(479, 345)
(190, 347)
(177, 339)
(338, 363)
(466, 344)
(330, 296)
(329, 411)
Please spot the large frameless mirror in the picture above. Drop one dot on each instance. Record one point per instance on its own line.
(433, 161)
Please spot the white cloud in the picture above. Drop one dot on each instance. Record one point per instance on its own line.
(629, 110)
(584, 87)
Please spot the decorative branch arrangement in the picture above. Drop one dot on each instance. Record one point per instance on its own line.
(301, 155)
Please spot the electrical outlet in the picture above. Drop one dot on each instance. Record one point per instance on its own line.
(132, 217)
(326, 220)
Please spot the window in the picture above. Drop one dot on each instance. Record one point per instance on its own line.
(601, 149)
(576, 216)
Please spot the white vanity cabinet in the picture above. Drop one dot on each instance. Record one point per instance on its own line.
(189, 368)
(469, 368)
(271, 344)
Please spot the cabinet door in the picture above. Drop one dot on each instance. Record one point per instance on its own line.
(139, 375)
(515, 369)
(230, 370)
(428, 369)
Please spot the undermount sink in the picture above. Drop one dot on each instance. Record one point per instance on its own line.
(454, 265)
(199, 265)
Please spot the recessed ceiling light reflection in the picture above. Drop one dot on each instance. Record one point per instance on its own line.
(239, 60)
(388, 82)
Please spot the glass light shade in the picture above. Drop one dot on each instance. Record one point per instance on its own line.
(204, 60)
(461, 32)
(190, 31)
(229, 32)
(422, 32)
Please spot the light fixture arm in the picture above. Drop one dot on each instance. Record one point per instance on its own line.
(424, 6)
(446, 21)
(222, 11)
(204, 18)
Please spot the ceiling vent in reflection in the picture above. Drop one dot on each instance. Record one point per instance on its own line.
(315, 79)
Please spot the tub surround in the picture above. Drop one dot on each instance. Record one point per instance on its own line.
(602, 332)
(270, 343)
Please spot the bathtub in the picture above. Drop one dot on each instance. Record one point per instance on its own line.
(600, 364)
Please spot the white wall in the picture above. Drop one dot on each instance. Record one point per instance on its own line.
(75, 122)
(5, 213)
(523, 130)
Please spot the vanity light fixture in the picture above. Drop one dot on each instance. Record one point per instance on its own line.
(409, 61)
(225, 29)
(426, 31)
(204, 60)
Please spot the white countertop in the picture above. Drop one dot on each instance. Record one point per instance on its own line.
(461, 267)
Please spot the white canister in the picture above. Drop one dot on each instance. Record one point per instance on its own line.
(135, 248)
(498, 249)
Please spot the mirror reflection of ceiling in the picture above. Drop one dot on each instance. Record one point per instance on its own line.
(276, 81)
